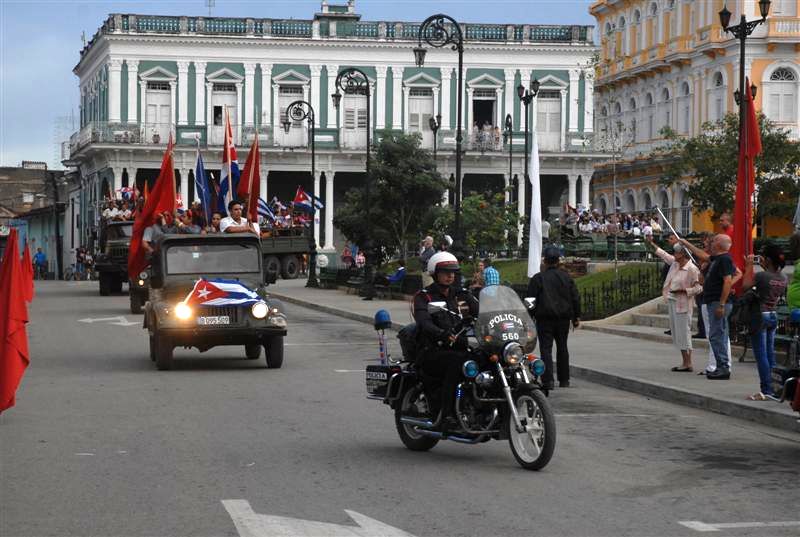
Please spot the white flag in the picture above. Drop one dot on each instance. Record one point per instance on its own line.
(796, 219)
(535, 233)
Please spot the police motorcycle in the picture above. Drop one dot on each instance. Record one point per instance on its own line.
(786, 372)
(500, 396)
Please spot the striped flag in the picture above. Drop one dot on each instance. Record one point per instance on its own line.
(219, 292)
(308, 202)
(229, 175)
(264, 210)
(201, 185)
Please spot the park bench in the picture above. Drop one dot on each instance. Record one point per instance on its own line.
(327, 278)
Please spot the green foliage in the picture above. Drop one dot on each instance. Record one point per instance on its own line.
(712, 159)
(486, 220)
(405, 189)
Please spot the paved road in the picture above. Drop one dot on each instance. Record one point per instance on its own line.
(103, 444)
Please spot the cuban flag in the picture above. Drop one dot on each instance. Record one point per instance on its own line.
(307, 202)
(219, 292)
(264, 210)
(229, 175)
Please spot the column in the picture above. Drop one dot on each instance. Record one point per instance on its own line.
(520, 206)
(183, 92)
(586, 180)
(249, 94)
(406, 91)
(329, 247)
(446, 73)
(574, 78)
(185, 187)
(316, 99)
(468, 112)
(306, 132)
(571, 198)
(209, 112)
(507, 183)
(317, 177)
(563, 119)
(173, 97)
(237, 129)
(498, 117)
(435, 101)
(276, 117)
(133, 74)
(196, 196)
(114, 90)
(263, 182)
(588, 101)
(510, 93)
(116, 180)
(266, 94)
(380, 96)
(333, 71)
(143, 93)
(525, 80)
(200, 93)
(397, 88)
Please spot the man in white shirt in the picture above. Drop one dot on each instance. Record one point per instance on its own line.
(235, 223)
(111, 211)
(545, 230)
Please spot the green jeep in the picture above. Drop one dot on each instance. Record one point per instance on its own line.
(111, 263)
(178, 262)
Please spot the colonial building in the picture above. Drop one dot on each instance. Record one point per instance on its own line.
(669, 63)
(143, 77)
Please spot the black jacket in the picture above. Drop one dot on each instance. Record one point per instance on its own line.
(434, 330)
(556, 295)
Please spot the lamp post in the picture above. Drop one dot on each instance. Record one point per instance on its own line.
(441, 31)
(527, 96)
(508, 137)
(741, 31)
(301, 111)
(354, 80)
(435, 123)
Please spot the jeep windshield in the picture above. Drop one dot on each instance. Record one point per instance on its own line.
(212, 259)
(121, 231)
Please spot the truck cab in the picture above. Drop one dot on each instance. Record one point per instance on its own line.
(111, 264)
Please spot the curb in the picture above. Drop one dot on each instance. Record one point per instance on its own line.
(785, 422)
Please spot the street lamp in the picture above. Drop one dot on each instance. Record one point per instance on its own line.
(508, 137)
(741, 31)
(527, 96)
(441, 31)
(301, 111)
(435, 123)
(355, 81)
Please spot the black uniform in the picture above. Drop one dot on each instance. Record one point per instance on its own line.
(439, 358)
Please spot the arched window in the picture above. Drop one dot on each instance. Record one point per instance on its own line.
(666, 108)
(784, 8)
(638, 40)
(633, 120)
(686, 213)
(782, 74)
(716, 97)
(647, 200)
(685, 108)
(780, 93)
(623, 30)
(650, 116)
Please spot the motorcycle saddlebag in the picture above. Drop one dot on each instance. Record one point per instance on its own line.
(408, 342)
(377, 377)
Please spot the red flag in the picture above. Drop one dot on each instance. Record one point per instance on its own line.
(161, 199)
(749, 148)
(250, 181)
(27, 273)
(14, 356)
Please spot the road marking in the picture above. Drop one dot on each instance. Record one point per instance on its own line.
(326, 344)
(119, 320)
(349, 370)
(250, 524)
(696, 525)
(84, 454)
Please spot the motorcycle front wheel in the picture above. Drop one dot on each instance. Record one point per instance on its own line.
(534, 447)
(413, 404)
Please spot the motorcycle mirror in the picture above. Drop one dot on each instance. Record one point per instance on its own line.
(530, 302)
(437, 307)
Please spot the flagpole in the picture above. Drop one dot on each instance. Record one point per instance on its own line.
(672, 229)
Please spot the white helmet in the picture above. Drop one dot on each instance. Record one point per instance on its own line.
(442, 261)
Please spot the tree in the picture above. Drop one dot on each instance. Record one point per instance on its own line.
(404, 189)
(711, 158)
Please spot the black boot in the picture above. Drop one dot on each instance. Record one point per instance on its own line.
(721, 373)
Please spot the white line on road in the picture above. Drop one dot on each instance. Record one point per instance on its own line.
(250, 524)
(349, 370)
(696, 525)
(119, 320)
(327, 344)
(84, 454)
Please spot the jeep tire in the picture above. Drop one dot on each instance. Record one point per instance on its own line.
(163, 352)
(253, 352)
(106, 281)
(136, 301)
(273, 348)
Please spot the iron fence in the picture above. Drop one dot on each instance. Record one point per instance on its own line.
(630, 289)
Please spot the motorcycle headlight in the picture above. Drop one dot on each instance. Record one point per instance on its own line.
(182, 311)
(259, 310)
(470, 369)
(143, 275)
(512, 354)
(537, 367)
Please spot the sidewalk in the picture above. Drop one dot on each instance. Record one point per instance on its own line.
(634, 365)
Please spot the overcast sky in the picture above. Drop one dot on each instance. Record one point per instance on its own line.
(40, 42)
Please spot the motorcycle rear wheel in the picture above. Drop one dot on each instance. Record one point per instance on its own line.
(533, 448)
(409, 435)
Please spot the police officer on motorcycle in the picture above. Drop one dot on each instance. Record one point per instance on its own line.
(443, 343)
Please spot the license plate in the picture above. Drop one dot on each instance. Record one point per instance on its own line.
(216, 319)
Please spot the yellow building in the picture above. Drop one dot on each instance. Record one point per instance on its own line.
(669, 63)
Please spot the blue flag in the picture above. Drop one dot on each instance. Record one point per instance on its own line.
(201, 185)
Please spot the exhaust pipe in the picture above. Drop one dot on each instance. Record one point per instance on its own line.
(441, 436)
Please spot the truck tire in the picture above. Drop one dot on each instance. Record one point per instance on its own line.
(105, 283)
(290, 267)
(272, 264)
(163, 348)
(136, 302)
(253, 352)
(152, 348)
(274, 351)
(116, 284)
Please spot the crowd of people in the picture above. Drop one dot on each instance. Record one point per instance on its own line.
(633, 224)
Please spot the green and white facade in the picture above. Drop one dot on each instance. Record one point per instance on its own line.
(144, 77)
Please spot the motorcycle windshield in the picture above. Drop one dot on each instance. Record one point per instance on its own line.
(503, 319)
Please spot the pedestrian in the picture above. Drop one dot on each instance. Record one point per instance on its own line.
(40, 264)
(545, 232)
(557, 305)
(490, 274)
(477, 283)
(770, 286)
(716, 292)
(425, 254)
(680, 287)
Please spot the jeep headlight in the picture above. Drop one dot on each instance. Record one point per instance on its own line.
(512, 354)
(183, 311)
(259, 310)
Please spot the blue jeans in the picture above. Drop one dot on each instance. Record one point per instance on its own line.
(718, 334)
(764, 348)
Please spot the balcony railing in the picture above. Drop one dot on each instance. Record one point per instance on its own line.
(293, 28)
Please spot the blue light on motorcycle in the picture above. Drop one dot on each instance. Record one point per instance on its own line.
(537, 367)
(470, 369)
(382, 320)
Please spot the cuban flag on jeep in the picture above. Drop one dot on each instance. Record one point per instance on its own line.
(219, 292)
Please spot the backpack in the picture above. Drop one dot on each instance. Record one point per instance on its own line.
(746, 312)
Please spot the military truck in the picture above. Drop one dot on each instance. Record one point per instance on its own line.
(178, 263)
(111, 264)
(283, 253)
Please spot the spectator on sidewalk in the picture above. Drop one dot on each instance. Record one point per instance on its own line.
(680, 287)
(477, 283)
(425, 254)
(490, 274)
(545, 231)
(716, 294)
(725, 224)
(770, 285)
(398, 276)
(557, 304)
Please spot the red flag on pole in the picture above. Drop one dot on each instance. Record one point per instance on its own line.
(27, 273)
(250, 181)
(749, 148)
(161, 199)
(14, 356)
